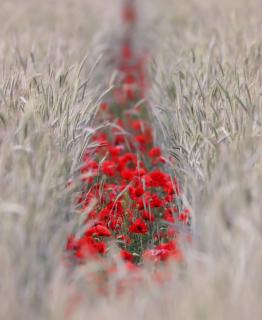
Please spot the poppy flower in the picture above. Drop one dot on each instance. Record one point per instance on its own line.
(169, 215)
(131, 267)
(104, 106)
(129, 13)
(98, 231)
(155, 152)
(89, 166)
(71, 243)
(138, 125)
(138, 226)
(109, 168)
(159, 179)
(126, 255)
(163, 252)
(87, 246)
(148, 216)
(115, 150)
(184, 216)
(127, 52)
(128, 174)
(136, 192)
(130, 92)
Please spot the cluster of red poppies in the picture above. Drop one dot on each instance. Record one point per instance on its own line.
(129, 194)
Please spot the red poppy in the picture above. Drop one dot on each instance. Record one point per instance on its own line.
(126, 51)
(138, 125)
(87, 246)
(184, 216)
(155, 152)
(136, 192)
(138, 226)
(129, 13)
(169, 215)
(148, 216)
(104, 106)
(115, 150)
(109, 168)
(71, 243)
(98, 231)
(159, 179)
(126, 255)
(163, 252)
(128, 174)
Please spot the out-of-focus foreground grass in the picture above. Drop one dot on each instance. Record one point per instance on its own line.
(207, 99)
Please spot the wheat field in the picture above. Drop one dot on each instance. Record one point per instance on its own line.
(206, 98)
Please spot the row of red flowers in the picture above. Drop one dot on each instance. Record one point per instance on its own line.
(129, 193)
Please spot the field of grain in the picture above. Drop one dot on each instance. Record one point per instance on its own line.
(206, 98)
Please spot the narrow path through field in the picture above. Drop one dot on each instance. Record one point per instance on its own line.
(130, 196)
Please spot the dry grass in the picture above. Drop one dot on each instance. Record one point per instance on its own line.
(207, 98)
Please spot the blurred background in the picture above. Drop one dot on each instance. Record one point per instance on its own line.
(206, 81)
